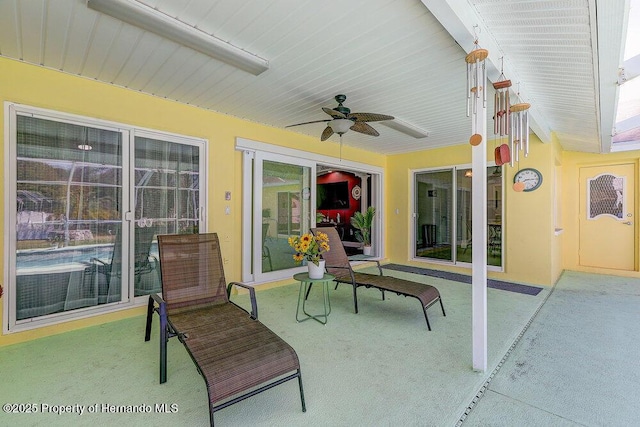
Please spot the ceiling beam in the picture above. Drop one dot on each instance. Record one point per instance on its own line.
(609, 22)
(459, 18)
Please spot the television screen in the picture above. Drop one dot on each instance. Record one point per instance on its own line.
(333, 195)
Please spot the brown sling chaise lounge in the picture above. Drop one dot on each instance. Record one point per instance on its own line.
(236, 354)
(337, 263)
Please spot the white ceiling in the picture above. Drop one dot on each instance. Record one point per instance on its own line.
(399, 57)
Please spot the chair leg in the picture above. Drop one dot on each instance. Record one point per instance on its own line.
(442, 306)
(426, 317)
(164, 337)
(147, 333)
(355, 298)
(304, 406)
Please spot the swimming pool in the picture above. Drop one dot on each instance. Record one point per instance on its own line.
(43, 258)
(52, 280)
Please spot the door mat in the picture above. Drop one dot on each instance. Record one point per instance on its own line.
(494, 284)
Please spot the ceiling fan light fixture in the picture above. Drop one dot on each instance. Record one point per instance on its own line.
(340, 126)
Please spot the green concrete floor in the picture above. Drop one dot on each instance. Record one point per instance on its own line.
(575, 364)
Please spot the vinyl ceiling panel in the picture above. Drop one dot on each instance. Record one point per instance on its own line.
(387, 56)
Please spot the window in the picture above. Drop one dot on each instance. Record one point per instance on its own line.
(442, 213)
(84, 212)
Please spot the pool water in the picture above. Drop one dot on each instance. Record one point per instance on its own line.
(41, 258)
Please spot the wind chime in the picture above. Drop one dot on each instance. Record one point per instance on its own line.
(476, 78)
(519, 129)
(501, 116)
(519, 134)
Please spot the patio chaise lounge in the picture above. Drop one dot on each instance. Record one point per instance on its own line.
(237, 355)
(337, 264)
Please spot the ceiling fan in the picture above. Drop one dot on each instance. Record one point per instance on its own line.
(342, 120)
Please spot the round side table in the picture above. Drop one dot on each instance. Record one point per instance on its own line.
(305, 285)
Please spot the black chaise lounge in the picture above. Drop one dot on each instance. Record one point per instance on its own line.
(236, 354)
(337, 263)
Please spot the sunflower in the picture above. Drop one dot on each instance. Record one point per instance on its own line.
(309, 246)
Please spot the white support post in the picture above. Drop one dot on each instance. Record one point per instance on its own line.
(479, 235)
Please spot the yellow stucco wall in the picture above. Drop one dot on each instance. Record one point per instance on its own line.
(533, 252)
(43, 88)
(530, 241)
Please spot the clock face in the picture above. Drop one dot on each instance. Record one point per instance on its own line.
(531, 178)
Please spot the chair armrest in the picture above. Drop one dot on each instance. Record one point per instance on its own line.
(252, 295)
(158, 299)
(166, 330)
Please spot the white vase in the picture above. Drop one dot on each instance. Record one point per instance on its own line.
(366, 250)
(316, 271)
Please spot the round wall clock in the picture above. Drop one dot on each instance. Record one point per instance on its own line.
(355, 192)
(531, 178)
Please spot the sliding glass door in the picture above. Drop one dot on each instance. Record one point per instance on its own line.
(442, 226)
(434, 199)
(279, 201)
(283, 202)
(86, 202)
(167, 201)
(69, 192)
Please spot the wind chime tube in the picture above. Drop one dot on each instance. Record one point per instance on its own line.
(507, 113)
(526, 133)
(479, 88)
(523, 131)
(474, 125)
(473, 76)
(468, 89)
(511, 141)
(505, 109)
(496, 117)
(484, 83)
(505, 116)
(502, 129)
(517, 126)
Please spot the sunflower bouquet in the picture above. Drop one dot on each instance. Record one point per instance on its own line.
(309, 246)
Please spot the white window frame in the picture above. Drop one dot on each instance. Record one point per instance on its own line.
(412, 232)
(286, 155)
(129, 133)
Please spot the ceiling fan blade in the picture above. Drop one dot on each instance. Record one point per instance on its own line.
(362, 127)
(370, 117)
(326, 133)
(306, 123)
(334, 113)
